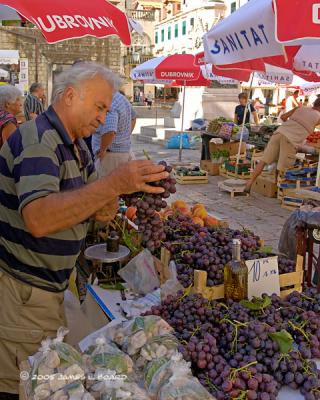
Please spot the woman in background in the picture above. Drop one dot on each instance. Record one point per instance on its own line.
(10, 107)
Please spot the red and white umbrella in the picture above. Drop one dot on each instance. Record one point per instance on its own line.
(61, 20)
(247, 38)
(297, 22)
(173, 67)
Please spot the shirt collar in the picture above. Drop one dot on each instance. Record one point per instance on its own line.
(58, 125)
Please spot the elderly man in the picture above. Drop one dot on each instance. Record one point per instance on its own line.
(33, 105)
(111, 144)
(49, 191)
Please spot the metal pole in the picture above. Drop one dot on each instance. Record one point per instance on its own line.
(243, 123)
(155, 103)
(318, 173)
(183, 100)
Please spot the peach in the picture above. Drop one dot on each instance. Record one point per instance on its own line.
(179, 204)
(200, 213)
(211, 221)
(198, 221)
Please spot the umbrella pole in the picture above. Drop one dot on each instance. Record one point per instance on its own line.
(155, 103)
(318, 173)
(183, 101)
(243, 123)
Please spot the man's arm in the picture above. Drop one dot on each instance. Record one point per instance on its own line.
(7, 130)
(108, 131)
(255, 117)
(288, 114)
(106, 140)
(62, 210)
(133, 124)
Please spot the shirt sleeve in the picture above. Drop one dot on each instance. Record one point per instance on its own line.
(133, 113)
(37, 174)
(26, 107)
(111, 124)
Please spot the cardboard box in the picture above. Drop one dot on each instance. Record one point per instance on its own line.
(210, 167)
(265, 186)
(231, 147)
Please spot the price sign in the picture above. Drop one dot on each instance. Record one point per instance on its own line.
(263, 277)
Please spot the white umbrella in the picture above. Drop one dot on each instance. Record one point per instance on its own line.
(245, 35)
(4, 73)
(7, 13)
(136, 26)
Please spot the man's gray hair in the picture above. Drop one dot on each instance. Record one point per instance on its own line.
(35, 86)
(81, 72)
(8, 94)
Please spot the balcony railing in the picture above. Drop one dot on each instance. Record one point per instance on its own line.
(136, 59)
(144, 15)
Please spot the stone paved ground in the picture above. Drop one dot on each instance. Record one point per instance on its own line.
(262, 215)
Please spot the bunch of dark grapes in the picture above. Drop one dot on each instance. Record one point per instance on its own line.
(309, 300)
(207, 249)
(148, 207)
(286, 265)
(232, 350)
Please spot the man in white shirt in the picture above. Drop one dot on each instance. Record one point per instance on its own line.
(292, 101)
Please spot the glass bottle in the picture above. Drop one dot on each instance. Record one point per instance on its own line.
(236, 275)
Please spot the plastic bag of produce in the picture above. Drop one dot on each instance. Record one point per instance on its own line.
(107, 355)
(72, 391)
(174, 142)
(172, 286)
(159, 371)
(245, 134)
(157, 347)
(288, 237)
(57, 364)
(140, 273)
(132, 335)
(183, 388)
(107, 385)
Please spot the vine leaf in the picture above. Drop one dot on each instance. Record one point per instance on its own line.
(257, 304)
(284, 340)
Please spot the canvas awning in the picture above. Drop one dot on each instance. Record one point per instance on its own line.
(9, 57)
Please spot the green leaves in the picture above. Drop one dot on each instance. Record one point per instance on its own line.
(257, 304)
(284, 340)
(266, 249)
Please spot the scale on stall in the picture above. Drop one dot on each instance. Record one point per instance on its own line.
(236, 187)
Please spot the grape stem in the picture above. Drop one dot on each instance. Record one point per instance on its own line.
(234, 372)
(300, 329)
(236, 325)
(210, 384)
(308, 298)
(146, 154)
(196, 330)
(186, 293)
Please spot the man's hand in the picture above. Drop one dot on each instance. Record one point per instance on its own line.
(108, 212)
(101, 154)
(134, 176)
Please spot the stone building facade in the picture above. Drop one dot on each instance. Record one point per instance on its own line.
(46, 60)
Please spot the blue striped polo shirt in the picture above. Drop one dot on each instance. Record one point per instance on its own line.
(38, 159)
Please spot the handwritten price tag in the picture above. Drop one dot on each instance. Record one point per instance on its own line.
(263, 277)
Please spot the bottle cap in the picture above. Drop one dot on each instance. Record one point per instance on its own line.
(236, 242)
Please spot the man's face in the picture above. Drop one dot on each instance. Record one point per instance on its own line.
(40, 92)
(89, 106)
(243, 101)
